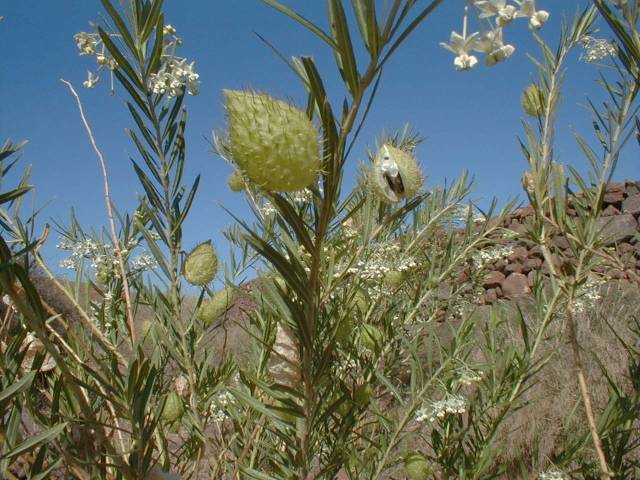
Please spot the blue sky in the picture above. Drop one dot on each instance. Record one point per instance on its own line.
(470, 120)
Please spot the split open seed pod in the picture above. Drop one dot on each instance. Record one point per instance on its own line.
(395, 174)
(274, 143)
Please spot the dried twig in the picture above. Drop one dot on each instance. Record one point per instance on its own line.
(112, 224)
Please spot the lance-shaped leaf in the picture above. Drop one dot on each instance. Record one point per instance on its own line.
(345, 58)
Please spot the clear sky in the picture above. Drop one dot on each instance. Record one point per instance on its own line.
(470, 120)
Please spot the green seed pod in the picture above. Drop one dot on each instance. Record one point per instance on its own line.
(274, 143)
(395, 174)
(173, 408)
(532, 100)
(362, 395)
(416, 467)
(370, 337)
(215, 306)
(201, 264)
(361, 301)
(394, 278)
(236, 181)
(345, 330)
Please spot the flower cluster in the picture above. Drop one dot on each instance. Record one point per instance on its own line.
(467, 376)
(90, 44)
(596, 49)
(174, 77)
(102, 257)
(552, 474)
(218, 407)
(485, 257)
(450, 405)
(302, 196)
(587, 295)
(491, 42)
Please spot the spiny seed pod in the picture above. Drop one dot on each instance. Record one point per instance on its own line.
(532, 100)
(274, 143)
(362, 395)
(395, 174)
(236, 181)
(394, 278)
(217, 305)
(173, 408)
(284, 364)
(201, 264)
(416, 467)
(370, 337)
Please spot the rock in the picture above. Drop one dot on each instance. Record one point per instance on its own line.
(610, 211)
(531, 264)
(515, 267)
(490, 296)
(515, 285)
(632, 204)
(523, 212)
(536, 252)
(531, 278)
(519, 253)
(613, 198)
(632, 187)
(500, 264)
(615, 187)
(561, 242)
(618, 228)
(493, 279)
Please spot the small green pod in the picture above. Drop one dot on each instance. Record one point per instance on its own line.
(533, 100)
(217, 305)
(416, 467)
(201, 264)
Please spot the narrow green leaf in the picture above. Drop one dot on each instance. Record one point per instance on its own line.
(345, 57)
(16, 387)
(302, 21)
(121, 25)
(34, 441)
(123, 63)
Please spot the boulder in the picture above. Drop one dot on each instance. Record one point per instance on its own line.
(493, 279)
(631, 204)
(619, 228)
(515, 285)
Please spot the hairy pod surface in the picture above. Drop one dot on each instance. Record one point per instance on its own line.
(274, 143)
(201, 264)
(216, 306)
(416, 467)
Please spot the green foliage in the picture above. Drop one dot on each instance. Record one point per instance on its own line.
(357, 349)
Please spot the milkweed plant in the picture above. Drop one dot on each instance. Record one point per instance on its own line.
(346, 337)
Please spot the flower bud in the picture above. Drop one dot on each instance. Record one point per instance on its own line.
(274, 143)
(416, 467)
(217, 305)
(236, 181)
(370, 337)
(395, 174)
(532, 100)
(201, 264)
(173, 408)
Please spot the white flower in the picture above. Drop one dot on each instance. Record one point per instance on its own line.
(91, 80)
(537, 18)
(596, 49)
(86, 42)
(451, 405)
(491, 44)
(173, 77)
(168, 30)
(552, 474)
(489, 8)
(461, 46)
